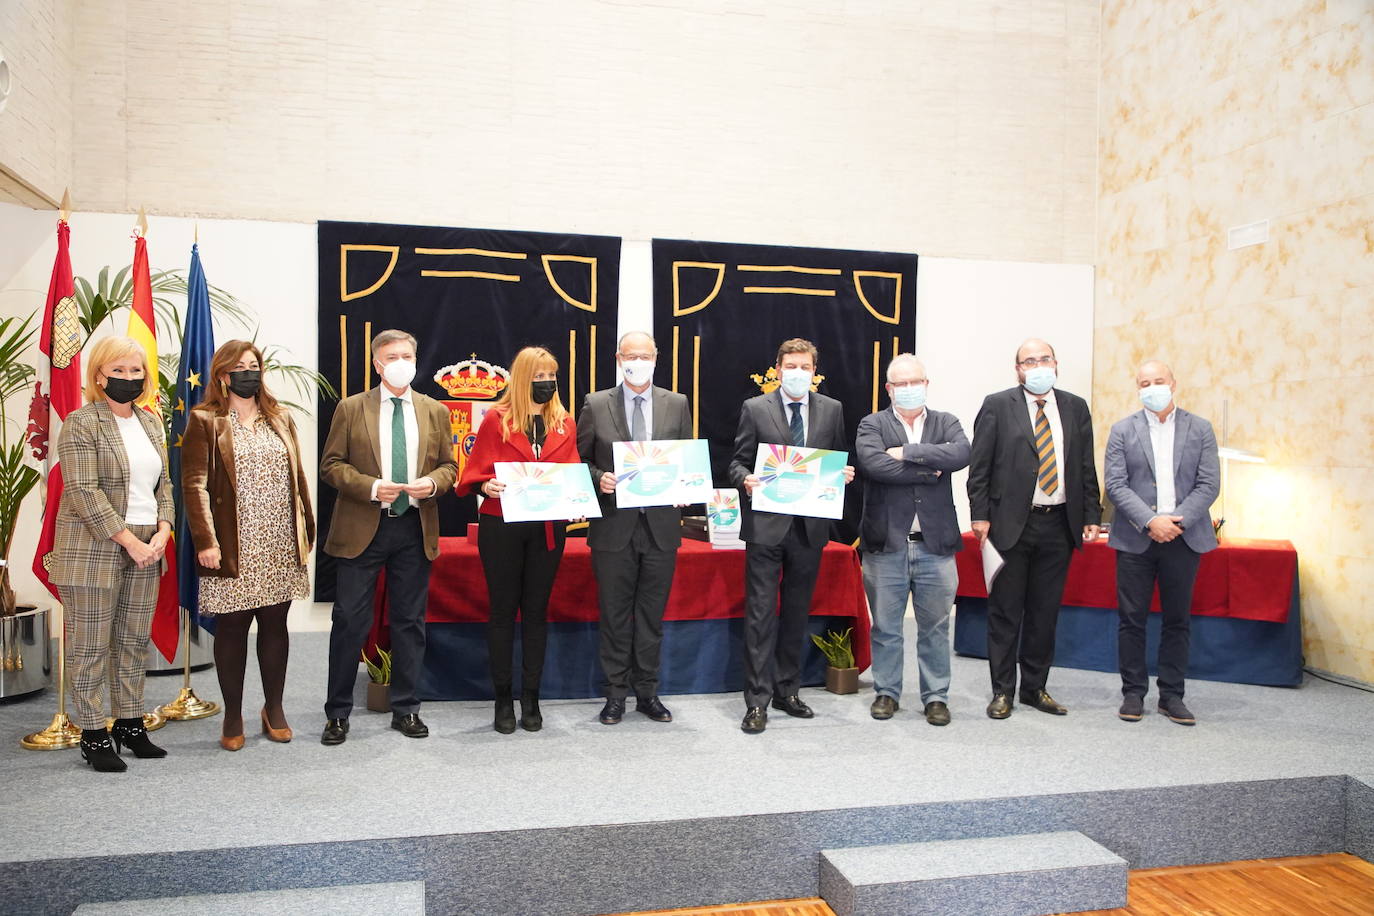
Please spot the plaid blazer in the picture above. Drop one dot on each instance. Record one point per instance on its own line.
(95, 496)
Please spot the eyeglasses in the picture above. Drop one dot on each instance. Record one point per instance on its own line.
(913, 383)
(1031, 362)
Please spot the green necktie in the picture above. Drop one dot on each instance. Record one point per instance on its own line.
(399, 465)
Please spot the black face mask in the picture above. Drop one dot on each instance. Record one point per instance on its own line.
(123, 390)
(543, 392)
(245, 382)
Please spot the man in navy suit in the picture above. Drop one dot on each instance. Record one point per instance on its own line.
(1162, 474)
(782, 555)
(910, 534)
(1032, 491)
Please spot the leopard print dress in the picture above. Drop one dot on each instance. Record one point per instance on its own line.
(268, 573)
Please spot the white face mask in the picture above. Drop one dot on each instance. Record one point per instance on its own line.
(399, 373)
(1156, 397)
(637, 371)
(796, 383)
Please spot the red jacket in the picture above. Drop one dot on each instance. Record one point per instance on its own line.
(559, 446)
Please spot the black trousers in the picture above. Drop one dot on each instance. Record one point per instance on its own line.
(1174, 566)
(399, 548)
(633, 586)
(1023, 607)
(519, 568)
(775, 636)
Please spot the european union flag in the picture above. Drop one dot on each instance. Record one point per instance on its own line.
(193, 374)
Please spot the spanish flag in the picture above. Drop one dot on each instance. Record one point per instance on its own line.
(143, 328)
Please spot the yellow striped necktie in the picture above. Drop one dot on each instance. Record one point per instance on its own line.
(1048, 478)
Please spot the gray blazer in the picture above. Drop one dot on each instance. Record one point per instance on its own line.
(1130, 478)
(762, 420)
(895, 490)
(601, 422)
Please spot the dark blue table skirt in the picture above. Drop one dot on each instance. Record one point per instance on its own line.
(1221, 648)
(698, 656)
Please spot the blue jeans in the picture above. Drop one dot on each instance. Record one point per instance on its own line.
(930, 580)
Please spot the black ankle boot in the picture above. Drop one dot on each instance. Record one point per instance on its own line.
(130, 733)
(99, 751)
(505, 712)
(530, 719)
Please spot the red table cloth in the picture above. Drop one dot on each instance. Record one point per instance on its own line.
(1243, 578)
(708, 584)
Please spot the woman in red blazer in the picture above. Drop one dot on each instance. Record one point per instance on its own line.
(519, 559)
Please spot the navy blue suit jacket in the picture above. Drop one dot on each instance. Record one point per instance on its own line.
(895, 491)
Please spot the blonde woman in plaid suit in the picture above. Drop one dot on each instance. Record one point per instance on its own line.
(113, 526)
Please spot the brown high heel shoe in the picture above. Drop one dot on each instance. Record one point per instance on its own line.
(279, 735)
(231, 742)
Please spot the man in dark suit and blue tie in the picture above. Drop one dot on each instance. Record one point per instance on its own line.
(634, 551)
(1032, 491)
(1162, 475)
(782, 552)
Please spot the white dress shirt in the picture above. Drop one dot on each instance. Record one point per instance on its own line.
(647, 410)
(1038, 498)
(1162, 443)
(914, 431)
(384, 421)
(805, 403)
(145, 467)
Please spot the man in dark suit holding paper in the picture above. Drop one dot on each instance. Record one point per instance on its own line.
(782, 552)
(1162, 474)
(634, 551)
(1032, 491)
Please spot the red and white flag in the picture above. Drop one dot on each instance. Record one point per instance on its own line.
(59, 372)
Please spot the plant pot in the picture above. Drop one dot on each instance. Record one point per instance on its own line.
(26, 652)
(842, 680)
(378, 697)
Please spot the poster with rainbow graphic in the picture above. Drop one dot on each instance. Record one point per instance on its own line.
(541, 491)
(800, 481)
(662, 472)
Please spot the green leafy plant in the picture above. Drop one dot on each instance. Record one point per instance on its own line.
(836, 647)
(17, 477)
(379, 671)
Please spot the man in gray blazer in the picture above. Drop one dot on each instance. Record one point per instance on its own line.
(1162, 474)
(634, 551)
(909, 535)
(782, 552)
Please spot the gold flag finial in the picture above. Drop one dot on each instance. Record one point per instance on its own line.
(65, 210)
(141, 227)
(195, 237)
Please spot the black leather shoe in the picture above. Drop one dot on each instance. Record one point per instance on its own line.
(755, 720)
(410, 725)
(1132, 708)
(132, 734)
(1000, 707)
(505, 714)
(793, 706)
(653, 708)
(99, 751)
(937, 713)
(613, 711)
(531, 720)
(883, 707)
(335, 732)
(1043, 702)
(1173, 708)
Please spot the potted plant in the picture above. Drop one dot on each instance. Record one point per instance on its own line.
(378, 680)
(842, 676)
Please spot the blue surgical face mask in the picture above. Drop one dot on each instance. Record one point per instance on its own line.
(1040, 379)
(1156, 397)
(796, 382)
(909, 397)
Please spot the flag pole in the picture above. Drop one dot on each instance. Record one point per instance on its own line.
(187, 705)
(60, 733)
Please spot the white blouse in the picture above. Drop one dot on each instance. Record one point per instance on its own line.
(145, 467)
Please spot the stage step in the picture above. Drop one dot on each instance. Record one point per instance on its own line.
(395, 898)
(1021, 875)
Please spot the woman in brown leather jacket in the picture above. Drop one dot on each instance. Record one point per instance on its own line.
(248, 505)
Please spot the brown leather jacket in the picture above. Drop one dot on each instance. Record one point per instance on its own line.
(209, 489)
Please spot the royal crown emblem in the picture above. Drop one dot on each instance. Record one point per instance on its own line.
(768, 382)
(473, 378)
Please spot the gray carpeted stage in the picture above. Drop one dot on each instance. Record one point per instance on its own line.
(584, 818)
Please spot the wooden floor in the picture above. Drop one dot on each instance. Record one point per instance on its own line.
(1336, 885)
